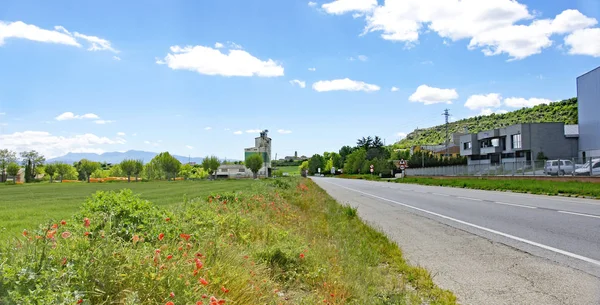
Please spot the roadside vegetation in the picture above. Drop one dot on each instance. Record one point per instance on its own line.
(282, 241)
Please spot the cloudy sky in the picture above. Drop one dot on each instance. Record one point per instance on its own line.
(204, 77)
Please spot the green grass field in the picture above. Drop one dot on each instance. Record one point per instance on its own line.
(28, 205)
(291, 170)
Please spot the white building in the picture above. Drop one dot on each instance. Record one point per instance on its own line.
(262, 146)
(233, 171)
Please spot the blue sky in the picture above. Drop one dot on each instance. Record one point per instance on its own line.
(149, 75)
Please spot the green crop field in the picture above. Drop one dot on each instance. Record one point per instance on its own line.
(26, 206)
(291, 170)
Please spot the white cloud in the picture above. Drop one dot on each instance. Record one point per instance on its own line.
(401, 135)
(519, 102)
(218, 45)
(71, 116)
(283, 131)
(312, 69)
(121, 134)
(492, 100)
(344, 84)
(359, 57)
(117, 58)
(19, 29)
(59, 35)
(209, 61)
(238, 132)
(253, 131)
(487, 111)
(97, 43)
(344, 6)
(53, 146)
(430, 95)
(155, 144)
(494, 26)
(189, 147)
(312, 4)
(207, 128)
(233, 45)
(395, 89)
(584, 42)
(301, 84)
(103, 122)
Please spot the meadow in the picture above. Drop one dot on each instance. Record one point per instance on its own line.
(276, 241)
(30, 204)
(291, 170)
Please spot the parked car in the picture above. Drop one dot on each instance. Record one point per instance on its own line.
(585, 169)
(559, 167)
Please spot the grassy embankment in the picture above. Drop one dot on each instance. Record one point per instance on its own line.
(281, 241)
(541, 187)
(291, 170)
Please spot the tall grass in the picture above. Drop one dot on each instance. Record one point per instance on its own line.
(284, 242)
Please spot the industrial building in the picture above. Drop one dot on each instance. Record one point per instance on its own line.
(588, 103)
(262, 146)
(520, 142)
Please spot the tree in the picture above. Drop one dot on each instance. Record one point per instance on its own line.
(355, 161)
(336, 160)
(88, 167)
(31, 159)
(6, 157)
(344, 152)
(186, 171)
(314, 163)
(254, 162)
(12, 169)
(168, 164)
(210, 164)
(303, 166)
(115, 171)
(62, 169)
(50, 169)
(131, 167)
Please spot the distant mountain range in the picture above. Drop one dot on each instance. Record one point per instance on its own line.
(117, 157)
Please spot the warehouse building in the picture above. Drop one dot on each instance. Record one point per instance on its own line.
(588, 103)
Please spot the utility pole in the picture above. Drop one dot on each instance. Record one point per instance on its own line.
(447, 115)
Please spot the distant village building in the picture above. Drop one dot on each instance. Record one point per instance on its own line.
(233, 171)
(294, 158)
(19, 179)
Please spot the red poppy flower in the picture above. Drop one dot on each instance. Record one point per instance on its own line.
(64, 261)
(169, 256)
(24, 232)
(62, 222)
(199, 264)
(54, 226)
(199, 303)
(79, 301)
(204, 296)
(167, 219)
(225, 290)
(169, 303)
(185, 236)
(172, 294)
(135, 238)
(86, 222)
(213, 299)
(86, 233)
(301, 255)
(221, 302)
(65, 234)
(203, 281)
(50, 234)
(161, 236)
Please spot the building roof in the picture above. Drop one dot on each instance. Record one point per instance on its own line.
(571, 131)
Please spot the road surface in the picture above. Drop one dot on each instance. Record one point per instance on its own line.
(487, 247)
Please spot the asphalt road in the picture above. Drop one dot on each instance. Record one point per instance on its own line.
(559, 238)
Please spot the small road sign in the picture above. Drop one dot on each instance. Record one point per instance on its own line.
(371, 166)
(371, 170)
(402, 166)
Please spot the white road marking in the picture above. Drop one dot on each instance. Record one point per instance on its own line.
(467, 198)
(516, 205)
(580, 214)
(549, 248)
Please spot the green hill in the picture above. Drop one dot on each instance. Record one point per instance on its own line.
(563, 111)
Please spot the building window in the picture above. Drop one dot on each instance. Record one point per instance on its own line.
(516, 141)
(467, 145)
(242, 170)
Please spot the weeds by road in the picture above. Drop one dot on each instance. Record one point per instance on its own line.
(282, 241)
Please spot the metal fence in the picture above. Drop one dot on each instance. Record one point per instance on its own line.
(552, 167)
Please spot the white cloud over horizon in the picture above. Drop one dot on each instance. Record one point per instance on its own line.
(209, 61)
(345, 84)
(480, 101)
(71, 116)
(52, 146)
(339, 7)
(431, 95)
(519, 102)
(299, 83)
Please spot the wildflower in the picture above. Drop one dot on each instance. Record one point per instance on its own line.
(167, 219)
(199, 303)
(161, 236)
(65, 234)
(169, 256)
(86, 222)
(225, 290)
(62, 222)
(169, 303)
(213, 299)
(203, 281)
(185, 236)
(86, 233)
(135, 239)
(64, 261)
(199, 264)
(245, 256)
(204, 296)
(25, 233)
(54, 226)
(79, 301)
(50, 234)
(221, 302)
(301, 255)
(172, 294)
